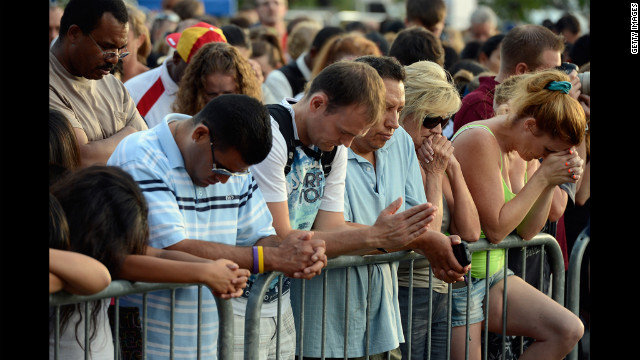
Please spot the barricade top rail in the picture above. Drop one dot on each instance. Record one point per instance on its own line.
(124, 287)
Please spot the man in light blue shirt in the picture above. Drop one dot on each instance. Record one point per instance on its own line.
(174, 164)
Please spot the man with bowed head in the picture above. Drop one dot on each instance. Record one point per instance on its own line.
(344, 101)
(93, 37)
(193, 171)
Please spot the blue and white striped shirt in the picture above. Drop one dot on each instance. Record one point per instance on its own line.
(233, 213)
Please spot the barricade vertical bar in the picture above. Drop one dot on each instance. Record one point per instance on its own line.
(116, 319)
(573, 281)
(504, 305)
(346, 315)
(302, 295)
(144, 326)
(279, 316)
(367, 324)
(87, 320)
(323, 335)
(541, 284)
(408, 341)
(199, 330)
(173, 324)
(226, 333)
(467, 339)
(523, 260)
(57, 333)
(430, 313)
(449, 309)
(252, 316)
(485, 345)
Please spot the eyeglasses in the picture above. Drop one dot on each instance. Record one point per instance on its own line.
(223, 171)
(108, 55)
(430, 122)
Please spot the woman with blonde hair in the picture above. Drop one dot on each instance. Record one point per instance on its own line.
(217, 68)
(543, 121)
(430, 101)
(139, 45)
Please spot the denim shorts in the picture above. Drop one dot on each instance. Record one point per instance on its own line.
(476, 311)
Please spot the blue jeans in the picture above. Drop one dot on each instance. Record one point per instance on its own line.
(419, 323)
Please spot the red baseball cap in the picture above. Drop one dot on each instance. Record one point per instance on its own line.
(192, 38)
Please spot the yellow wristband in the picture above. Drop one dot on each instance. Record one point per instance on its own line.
(260, 260)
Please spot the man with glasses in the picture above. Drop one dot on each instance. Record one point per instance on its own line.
(93, 37)
(203, 200)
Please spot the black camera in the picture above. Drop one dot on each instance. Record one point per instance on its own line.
(585, 78)
(567, 67)
(462, 254)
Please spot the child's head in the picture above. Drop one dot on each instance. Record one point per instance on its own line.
(106, 213)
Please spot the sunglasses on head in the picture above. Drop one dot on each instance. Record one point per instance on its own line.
(430, 122)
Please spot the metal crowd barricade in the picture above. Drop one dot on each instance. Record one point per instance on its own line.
(252, 323)
(547, 242)
(119, 288)
(573, 280)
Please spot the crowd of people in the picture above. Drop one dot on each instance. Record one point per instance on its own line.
(187, 148)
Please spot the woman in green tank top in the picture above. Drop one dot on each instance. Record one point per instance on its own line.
(543, 122)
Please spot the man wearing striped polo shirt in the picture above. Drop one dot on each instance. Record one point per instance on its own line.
(203, 200)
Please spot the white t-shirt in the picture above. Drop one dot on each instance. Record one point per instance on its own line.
(271, 179)
(159, 91)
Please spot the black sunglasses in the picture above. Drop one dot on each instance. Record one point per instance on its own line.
(431, 122)
(223, 171)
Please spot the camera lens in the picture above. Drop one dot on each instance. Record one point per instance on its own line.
(585, 81)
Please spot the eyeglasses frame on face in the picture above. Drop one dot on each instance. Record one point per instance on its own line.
(110, 54)
(442, 121)
(222, 171)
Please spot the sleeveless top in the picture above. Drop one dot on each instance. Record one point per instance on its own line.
(479, 258)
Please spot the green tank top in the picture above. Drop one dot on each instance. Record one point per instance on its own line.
(479, 258)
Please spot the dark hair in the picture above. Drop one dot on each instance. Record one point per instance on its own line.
(380, 40)
(325, 34)
(106, 212)
(58, 225)
(391, 25)
(63, 146)
(87, 13)
(416, 44)
(568, 22)
(580, 53)
(471, 50)
(491, 44)
(240, 122)
(107, 218)
(427, 12)
(236, 35)
(386, 66)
